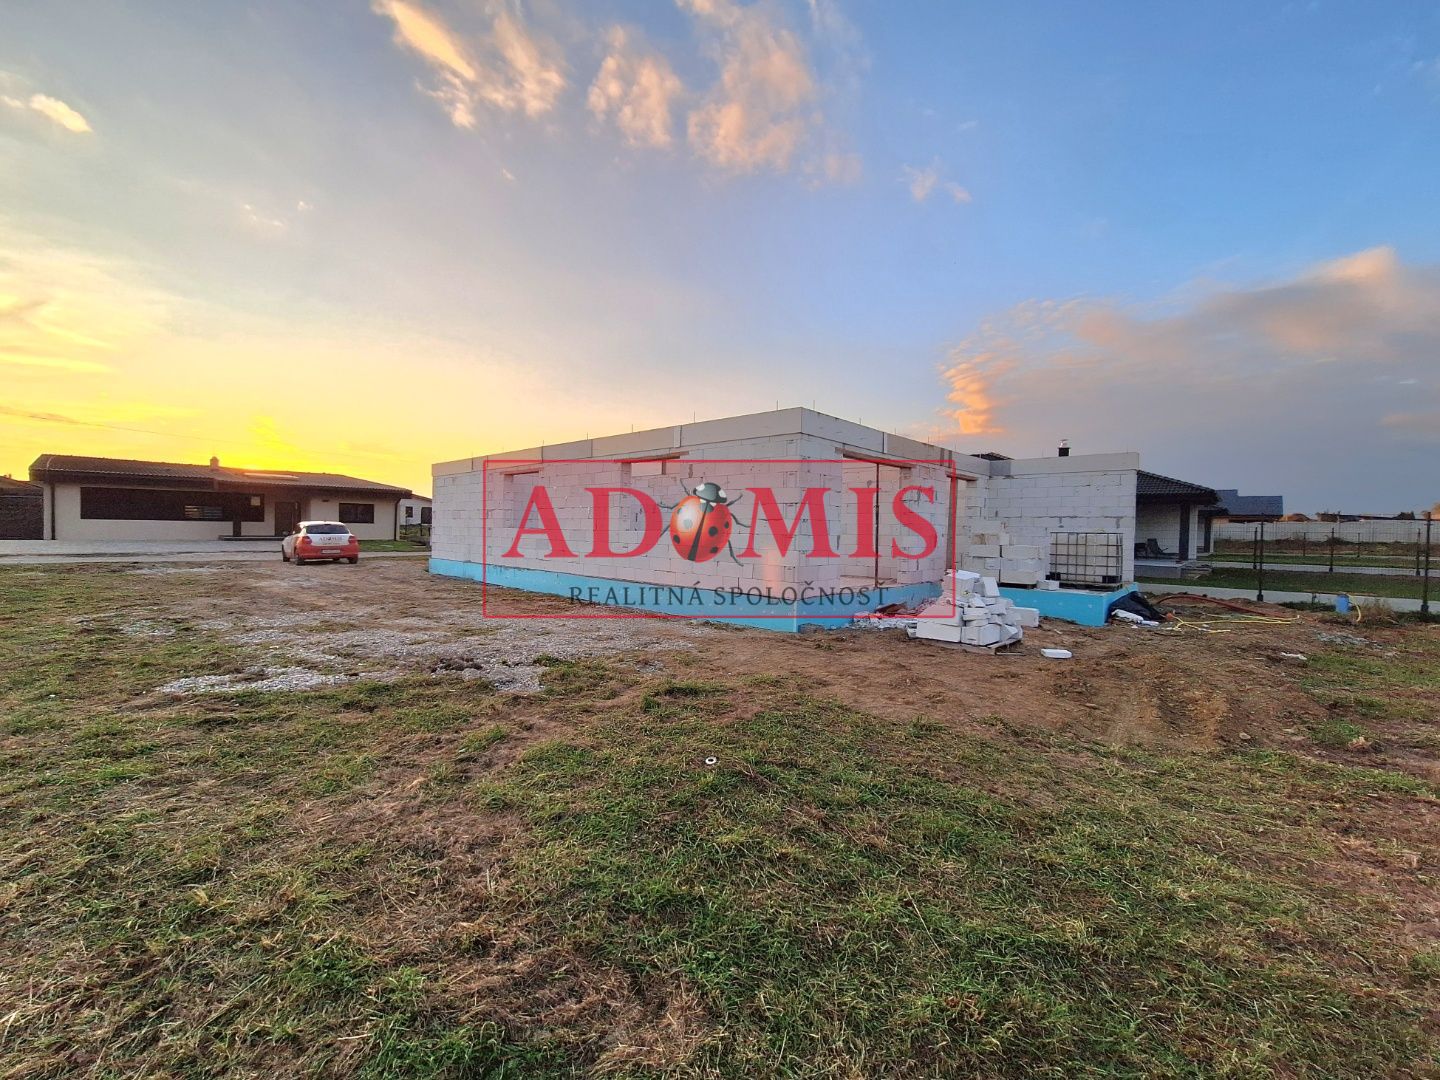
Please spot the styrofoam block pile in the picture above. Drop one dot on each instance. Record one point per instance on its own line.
(971, 611)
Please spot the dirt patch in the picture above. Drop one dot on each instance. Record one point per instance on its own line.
(382, 620)
(1122, 686)
(166, 570)
(389, 619)
(264, 679)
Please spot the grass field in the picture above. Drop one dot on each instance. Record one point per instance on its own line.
(1226, 577)
(1398, 563)
(428, 878)
(1316, 551)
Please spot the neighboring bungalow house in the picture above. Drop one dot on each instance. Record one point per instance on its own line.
(415, 510)
(1171, 523)
(1236, 507)
(92, 498)
(21, 510)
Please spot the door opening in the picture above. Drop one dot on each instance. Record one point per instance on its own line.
(287, 517)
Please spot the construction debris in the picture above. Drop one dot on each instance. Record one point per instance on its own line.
(1132, 618)
(971, 611)
(1189, 612)
(890, 617)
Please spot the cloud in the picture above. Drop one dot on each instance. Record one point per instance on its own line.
(1329, 368)
(64, 311)
(924, 182)
(766, 110)
(88, 419)
(428, 36)
(503, 66)
(841, 167)
(54, 110)
(38, 417)
(766, 104)
(973, 405)
(1422, 426)
(263, 222)
(638, 88)
(534, 77)
(16, 358)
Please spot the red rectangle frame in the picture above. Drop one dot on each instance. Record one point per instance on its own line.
(497, 463)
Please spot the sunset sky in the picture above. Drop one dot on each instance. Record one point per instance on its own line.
(363, 237)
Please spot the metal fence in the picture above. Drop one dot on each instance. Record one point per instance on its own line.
(1330, 554)
(1400, 543)
(1367, 531)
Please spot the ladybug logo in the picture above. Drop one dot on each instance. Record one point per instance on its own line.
(701, 523)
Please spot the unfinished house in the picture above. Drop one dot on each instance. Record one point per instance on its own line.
(871, 519)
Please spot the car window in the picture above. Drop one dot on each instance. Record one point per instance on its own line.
(314, 529)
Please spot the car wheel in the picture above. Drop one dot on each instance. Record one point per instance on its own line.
(283, 556)
(353, 559)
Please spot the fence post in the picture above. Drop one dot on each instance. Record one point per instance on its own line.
(1417, 552)
(1425, 581)
(1332, 549)
(1260, 572)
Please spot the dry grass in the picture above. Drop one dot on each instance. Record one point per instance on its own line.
(430, 878)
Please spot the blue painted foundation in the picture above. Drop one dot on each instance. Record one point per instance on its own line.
(832, 609)
(1072, 605)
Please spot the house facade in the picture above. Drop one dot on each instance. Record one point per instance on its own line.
(1172, 519)
(416, 510)
(90, 498)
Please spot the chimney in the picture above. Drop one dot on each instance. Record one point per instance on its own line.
(1064, 447)
(214, 462)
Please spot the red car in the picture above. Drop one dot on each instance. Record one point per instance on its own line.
(313, 541)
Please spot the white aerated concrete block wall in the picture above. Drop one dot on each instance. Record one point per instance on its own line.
(1005, 515)
(566, 483)
(737, 454)
(1032, 499)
